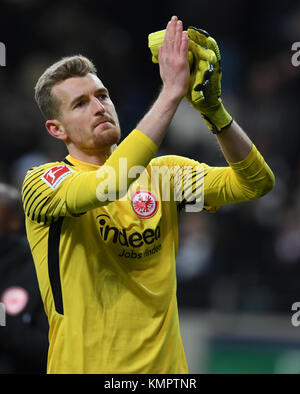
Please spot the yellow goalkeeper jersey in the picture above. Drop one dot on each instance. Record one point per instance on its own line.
(107, 269)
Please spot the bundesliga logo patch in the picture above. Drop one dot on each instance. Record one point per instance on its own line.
(144, 204)
(55, 175)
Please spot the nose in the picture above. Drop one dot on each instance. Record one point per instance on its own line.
(97, 106)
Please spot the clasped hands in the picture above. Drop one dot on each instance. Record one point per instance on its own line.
(203, 87)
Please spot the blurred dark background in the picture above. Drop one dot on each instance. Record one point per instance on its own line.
(246, 257)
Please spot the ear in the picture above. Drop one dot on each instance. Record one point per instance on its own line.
(56, 129)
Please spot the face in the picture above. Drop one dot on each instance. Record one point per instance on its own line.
(88, 118)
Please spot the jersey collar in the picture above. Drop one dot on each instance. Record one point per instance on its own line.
(82, 165)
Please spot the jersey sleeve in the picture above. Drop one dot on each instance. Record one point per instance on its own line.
(44, 191)
(56, 190)
(202, 186)
(241, 181)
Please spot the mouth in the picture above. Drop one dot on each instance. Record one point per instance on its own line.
(103, 122)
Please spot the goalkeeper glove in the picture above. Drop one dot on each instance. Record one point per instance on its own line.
(201, 62)
(207, 98)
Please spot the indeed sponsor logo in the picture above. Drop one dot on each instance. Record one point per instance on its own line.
(134, 240)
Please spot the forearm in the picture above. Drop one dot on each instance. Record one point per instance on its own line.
(156, 122)
(234, 143)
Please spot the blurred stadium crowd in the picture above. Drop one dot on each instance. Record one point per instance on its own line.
(247, 256)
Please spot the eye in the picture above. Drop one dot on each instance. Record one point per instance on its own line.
(80, 104)
(102, 96)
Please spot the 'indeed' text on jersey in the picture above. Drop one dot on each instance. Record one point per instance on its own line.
(135, 240)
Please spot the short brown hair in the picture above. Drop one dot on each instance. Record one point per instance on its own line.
(67, 67)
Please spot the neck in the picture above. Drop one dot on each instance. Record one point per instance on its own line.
(96, 157)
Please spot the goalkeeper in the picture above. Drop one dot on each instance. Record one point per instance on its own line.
(107, 268)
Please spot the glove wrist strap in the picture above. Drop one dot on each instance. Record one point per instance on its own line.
(217, 119)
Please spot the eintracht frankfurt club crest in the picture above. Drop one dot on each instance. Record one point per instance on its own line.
(144, 204)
